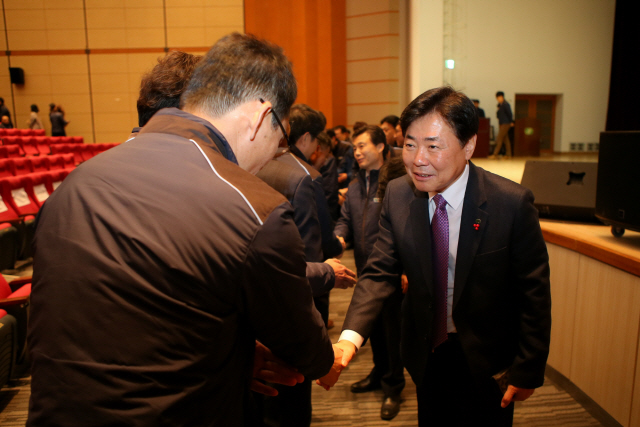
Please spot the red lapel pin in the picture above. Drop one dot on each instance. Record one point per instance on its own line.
(477, 224)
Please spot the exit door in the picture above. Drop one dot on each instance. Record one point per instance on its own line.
(543, 108)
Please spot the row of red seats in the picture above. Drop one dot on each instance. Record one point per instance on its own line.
(37, 145)
(9, 151)
(21, 132)
(27, 165)
(24, 195)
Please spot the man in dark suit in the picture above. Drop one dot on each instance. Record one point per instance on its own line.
(478, 303)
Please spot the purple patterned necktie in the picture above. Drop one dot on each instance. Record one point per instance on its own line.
(440, 259)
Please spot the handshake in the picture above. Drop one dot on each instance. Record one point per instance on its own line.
(343, 353)
(268, 367)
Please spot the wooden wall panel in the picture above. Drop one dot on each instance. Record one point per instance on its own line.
(564, 264)
(313, 36)
(605, 349)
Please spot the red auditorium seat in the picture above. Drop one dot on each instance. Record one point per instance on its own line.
(15, 299)
(54, 140)
(6, 168)
(43, 143)
(56, 161)
(7, 213)
(37, 132)
(38, 164)
(29, 146)
(37, 188)
(9, 151)
(69, 160)
(12, 132)
(86, 151)
(13, 140)
(21, 166)
(77, 140)
(15, 194)
(53, 179)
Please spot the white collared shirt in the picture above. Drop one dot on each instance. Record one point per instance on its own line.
(454, 195)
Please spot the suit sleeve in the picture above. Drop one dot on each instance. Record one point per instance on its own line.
(331, 246)
(321, 277)
(530, 263)
(278, 300)
(305, 216)
(379, 279)
(344, 224)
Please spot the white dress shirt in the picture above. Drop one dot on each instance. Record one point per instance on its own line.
(454, 195)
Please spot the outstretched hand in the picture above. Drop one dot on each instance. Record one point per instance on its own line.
(345, 278)
(343, 351)
(268, 367)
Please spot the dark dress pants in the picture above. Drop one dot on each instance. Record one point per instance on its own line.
(385, 345)
(451, 396)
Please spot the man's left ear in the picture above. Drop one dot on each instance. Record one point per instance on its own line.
(470, 147)
(380, 148)
(258, 117)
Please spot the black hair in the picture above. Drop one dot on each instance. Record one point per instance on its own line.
(376, 134)
(499, 93)
(454, 107)
(303, 119)
(240, 68)
(392, 120)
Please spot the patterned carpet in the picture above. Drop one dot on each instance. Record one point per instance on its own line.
(549, 406)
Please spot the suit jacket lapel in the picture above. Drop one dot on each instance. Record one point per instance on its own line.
(419, 214)
(469, 238)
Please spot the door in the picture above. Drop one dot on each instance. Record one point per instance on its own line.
(543, 108)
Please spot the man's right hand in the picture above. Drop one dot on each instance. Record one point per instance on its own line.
(345, 278)
(342, 242)
(343, 351)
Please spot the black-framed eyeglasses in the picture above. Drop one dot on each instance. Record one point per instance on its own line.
(284, 132)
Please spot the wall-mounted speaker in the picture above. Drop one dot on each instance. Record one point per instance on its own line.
(17, 75)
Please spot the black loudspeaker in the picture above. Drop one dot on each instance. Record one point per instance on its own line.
(17, 75)
(618, 198)
(563, 190)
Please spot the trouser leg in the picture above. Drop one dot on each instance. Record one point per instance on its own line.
(393, 381)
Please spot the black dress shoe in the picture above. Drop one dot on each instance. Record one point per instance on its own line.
(390, 408)
(365, 385)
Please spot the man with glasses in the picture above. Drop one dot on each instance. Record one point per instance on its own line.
(160, 263)
(292, 406)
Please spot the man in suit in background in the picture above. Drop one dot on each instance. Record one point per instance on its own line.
(478, 305)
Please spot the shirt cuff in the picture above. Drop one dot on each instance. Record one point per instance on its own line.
(352, 336)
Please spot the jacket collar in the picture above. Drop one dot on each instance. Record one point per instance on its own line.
(295, 150)
(177, 122)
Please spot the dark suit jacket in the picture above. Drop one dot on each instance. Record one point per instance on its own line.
(331, 246)
(501, 303)
(297, 186)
